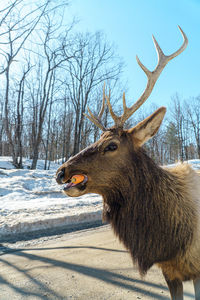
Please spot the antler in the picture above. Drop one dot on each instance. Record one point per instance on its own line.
(97, 119)
(152, 77)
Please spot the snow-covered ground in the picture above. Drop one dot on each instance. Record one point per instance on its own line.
(31, 200)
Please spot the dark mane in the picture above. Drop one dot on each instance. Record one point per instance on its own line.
(140, 212)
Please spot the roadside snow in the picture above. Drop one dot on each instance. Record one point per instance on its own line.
(31, 200)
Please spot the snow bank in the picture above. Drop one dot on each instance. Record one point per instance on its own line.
(31, 200)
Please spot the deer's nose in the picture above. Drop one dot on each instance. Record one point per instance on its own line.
(60, 176)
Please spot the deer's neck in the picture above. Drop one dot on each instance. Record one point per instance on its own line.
(144, 212)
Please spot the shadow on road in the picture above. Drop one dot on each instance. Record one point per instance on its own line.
(103, 275)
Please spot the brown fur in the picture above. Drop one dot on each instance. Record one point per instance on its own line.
(153, 217)
(153, 210)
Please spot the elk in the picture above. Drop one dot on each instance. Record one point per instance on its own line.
(154, 210)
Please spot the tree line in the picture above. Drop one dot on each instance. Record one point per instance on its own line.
(50, 73)
(179, 136)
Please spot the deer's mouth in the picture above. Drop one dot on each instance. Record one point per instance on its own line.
(76, 185)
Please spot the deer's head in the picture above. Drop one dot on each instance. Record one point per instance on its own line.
(104, 163)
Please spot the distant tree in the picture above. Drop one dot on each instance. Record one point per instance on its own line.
(1, 124)
(18, 128)
(180, 122)
(172, 142)
(193, 110)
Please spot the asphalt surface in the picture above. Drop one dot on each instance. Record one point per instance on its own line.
(87, 264)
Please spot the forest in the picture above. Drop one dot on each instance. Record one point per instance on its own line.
(50, 73)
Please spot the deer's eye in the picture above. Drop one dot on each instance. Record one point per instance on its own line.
(111, 147)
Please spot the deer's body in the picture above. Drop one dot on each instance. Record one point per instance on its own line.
(154, 211)
(186, 265)
(159, 220)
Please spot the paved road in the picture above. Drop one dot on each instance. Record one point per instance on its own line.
(86, 265)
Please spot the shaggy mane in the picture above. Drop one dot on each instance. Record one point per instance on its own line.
(143, 207)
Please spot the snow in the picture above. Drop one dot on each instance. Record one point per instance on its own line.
(31, 200)
(194, 163)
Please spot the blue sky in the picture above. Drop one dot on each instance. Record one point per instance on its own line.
(130, 25)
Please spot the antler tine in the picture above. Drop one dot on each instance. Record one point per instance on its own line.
(119, 121)
(113, 115)
(94, 120)
(97, 119)
(152, 77)
(182, 48)
(103, 103)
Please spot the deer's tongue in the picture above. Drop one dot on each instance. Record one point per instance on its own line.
(75, 181)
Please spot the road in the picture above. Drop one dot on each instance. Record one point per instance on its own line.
(88, 264)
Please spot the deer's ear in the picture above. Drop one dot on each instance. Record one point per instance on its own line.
(146, 129)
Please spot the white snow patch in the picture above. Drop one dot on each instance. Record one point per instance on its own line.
(32, 200)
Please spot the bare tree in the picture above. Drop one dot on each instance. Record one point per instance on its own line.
(171, 142)
(17, 139)
(93, 63)
(18, 22)
(51, 61)
(1, 124)
(179, 121)
(193, 110)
